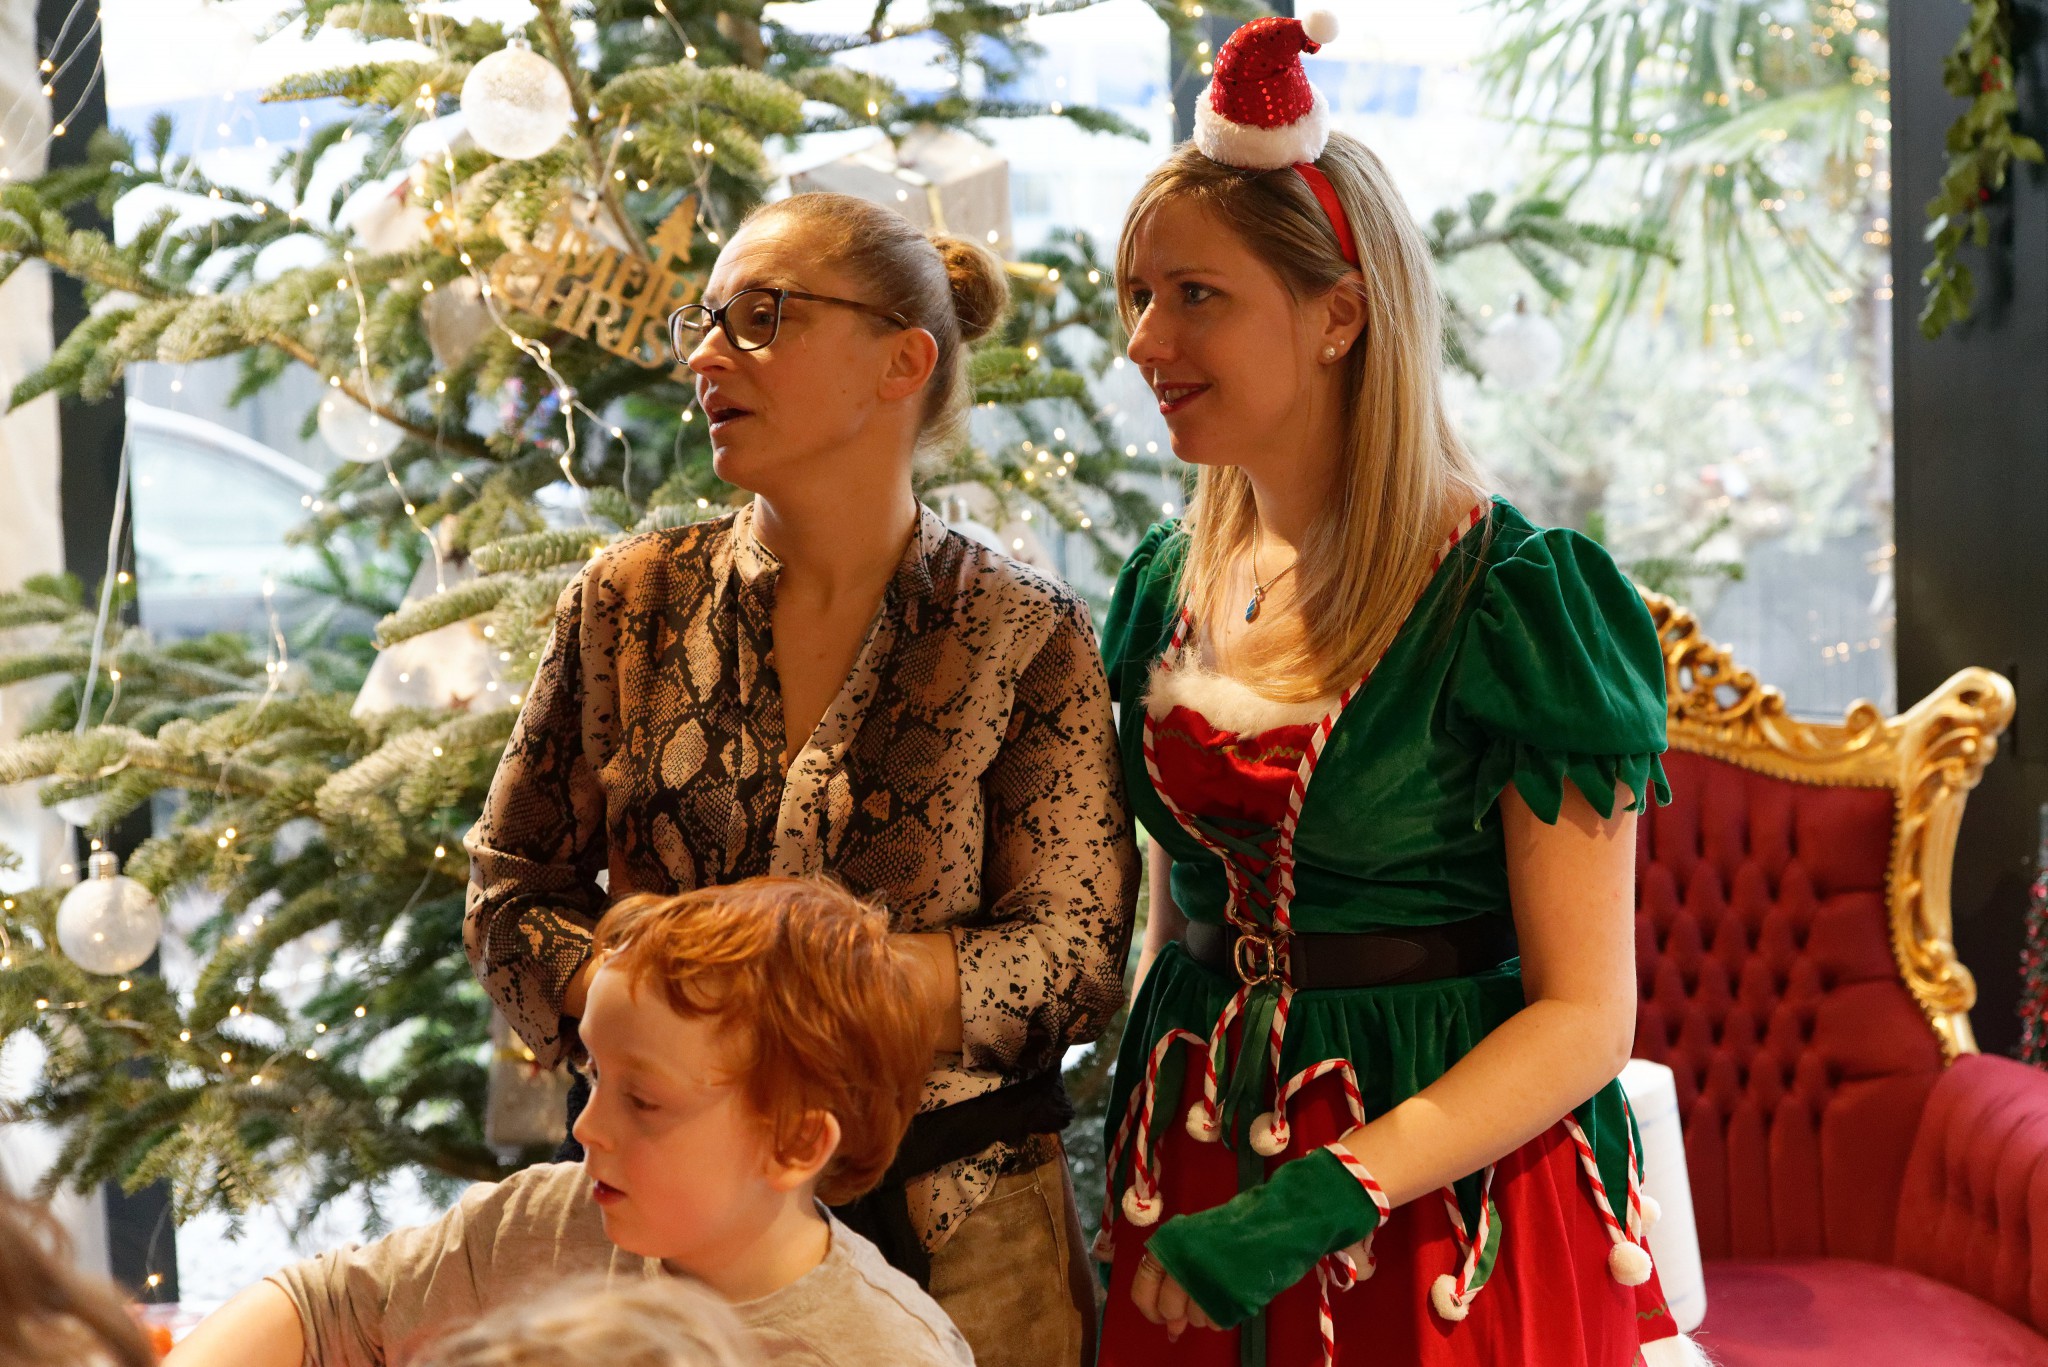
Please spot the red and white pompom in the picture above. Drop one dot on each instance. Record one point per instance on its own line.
(1270, 1135)
(1443, 1295)
(1203, 1126)
(1260, 112)
(1652, 1212)
(1142, 1210)
(1629, 1263)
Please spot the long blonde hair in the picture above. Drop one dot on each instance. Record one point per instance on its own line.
(1364, 564)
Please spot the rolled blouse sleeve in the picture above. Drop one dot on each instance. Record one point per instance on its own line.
(1559, 678)
(1042, 967)
(536, 852)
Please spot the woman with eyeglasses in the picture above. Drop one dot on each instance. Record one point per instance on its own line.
(830, 680)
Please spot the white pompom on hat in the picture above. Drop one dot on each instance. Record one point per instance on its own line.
(1260, 112)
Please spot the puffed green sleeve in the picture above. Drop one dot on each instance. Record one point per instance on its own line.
(1141, 606)
(1560, 677)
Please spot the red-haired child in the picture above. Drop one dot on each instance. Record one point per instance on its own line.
(756, 1050)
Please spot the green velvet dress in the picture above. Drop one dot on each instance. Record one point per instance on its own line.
(1528, 660)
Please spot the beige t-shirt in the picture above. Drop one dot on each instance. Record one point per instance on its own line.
(377, 1304)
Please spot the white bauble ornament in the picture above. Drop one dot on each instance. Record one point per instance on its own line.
(354, 431)
(515, 103)
(456, 319)
(1522, 350)
(109, 924)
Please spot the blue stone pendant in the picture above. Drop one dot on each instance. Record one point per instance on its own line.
(1251, 609)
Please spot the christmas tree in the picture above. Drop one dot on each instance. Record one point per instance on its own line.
(489, 336)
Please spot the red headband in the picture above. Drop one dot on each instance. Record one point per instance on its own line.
(1333, 208)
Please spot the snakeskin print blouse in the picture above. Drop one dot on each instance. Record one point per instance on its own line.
(965, 778)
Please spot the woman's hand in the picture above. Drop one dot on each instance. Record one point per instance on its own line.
(1159, 1298)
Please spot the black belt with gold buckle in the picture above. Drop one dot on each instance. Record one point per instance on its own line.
(1318, 960)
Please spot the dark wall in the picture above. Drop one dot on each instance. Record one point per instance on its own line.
(1972, 441)
(141, 1240)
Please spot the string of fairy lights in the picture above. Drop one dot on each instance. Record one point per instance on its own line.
(1048, 463)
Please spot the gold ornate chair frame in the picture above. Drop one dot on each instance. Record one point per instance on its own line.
(1929, 756)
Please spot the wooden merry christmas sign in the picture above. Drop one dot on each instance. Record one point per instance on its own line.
(603, 293)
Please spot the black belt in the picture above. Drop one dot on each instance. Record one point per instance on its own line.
(1012, 1114)
(1319, 960)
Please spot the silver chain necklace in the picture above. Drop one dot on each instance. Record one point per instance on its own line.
(1251, 609)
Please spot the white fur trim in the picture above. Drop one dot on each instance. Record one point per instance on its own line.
(1677, 1351)
(1269, 1135)
(1320, 26)
(1261, 149)
(1225, 703)
(1443, 1294)
(1629, 1264)
(1142, 1211)
(1203, 1127)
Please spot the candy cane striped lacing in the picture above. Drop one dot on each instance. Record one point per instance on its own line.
(1333, 1273)
(1205, 1117)
(1136, 1130)
(1365, 1179)
(1271, 1133)
(1627, 1260)
(1341, 1270)
(1453, 1294)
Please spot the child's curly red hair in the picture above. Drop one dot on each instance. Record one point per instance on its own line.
(830, 1012)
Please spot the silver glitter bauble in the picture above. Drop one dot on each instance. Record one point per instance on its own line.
(109, 924)
(354, 431)
(515, 103)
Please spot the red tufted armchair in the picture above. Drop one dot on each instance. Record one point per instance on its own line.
(1869, 1189)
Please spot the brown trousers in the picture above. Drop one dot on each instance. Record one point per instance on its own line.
(1015, 1276)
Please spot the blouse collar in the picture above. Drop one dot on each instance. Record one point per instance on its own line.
(757, 566)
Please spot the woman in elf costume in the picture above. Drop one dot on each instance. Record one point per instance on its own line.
(1389, 739)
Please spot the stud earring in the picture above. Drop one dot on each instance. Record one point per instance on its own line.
(1329, 352)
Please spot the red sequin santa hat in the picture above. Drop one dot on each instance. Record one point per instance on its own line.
(1260, 112)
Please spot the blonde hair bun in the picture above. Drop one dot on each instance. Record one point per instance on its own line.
(981, 289)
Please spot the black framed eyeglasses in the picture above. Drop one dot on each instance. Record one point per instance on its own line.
(751, 318)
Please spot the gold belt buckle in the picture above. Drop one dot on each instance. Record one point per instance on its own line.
(1257, 959)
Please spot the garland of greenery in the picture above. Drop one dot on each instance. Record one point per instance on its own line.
(1981, 148)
